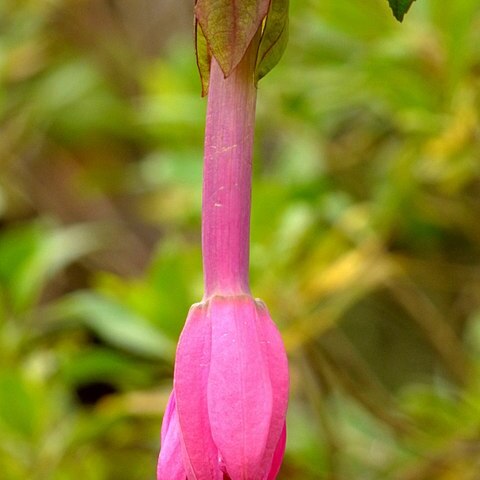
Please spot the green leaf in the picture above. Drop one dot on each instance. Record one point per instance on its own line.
(32, 254)
(229, 26)
(203, 58)
(400, 8)
(274, 38)
(115, 324)
(102, 364)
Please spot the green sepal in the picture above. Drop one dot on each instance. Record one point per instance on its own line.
(229, 26)
(203, 58)
(274, 38)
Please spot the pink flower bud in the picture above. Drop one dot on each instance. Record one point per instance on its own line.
(226, 418)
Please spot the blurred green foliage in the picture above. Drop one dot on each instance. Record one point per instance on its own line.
(365, 234)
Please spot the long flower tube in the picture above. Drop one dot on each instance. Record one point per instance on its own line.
(226, 415)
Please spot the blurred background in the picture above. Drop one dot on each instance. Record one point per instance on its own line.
(365, 234)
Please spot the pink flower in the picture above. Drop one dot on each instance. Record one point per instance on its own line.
(226, 417)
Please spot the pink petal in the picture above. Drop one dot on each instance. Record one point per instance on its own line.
(167, 416)
(239, 387)
(278, 455)
(276, 358)
(190, 383)
(170, 461)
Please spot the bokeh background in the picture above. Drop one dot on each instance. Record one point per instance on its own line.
(365, 234)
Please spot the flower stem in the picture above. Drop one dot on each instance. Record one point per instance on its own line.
(227, 177)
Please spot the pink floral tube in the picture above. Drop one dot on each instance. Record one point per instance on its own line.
(226, 415)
